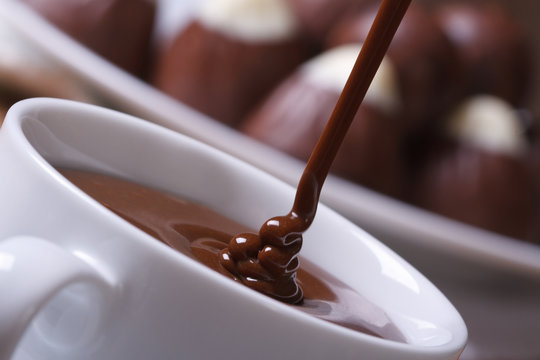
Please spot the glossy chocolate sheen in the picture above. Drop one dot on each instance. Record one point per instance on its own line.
(118, 30)
(423, 56)
(200, 233)
(267, 261)
(293, 118)
(221, 76)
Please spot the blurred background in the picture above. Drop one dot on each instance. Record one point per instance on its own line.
(453, 129)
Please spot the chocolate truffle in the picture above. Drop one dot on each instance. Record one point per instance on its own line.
(481, 176)
(422, 55)
(293, 117)
(492, 48)
(118, 30)
(230, 56)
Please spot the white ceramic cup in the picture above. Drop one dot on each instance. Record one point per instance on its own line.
(78, 282)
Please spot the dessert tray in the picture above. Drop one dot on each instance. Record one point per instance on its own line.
(459, 258)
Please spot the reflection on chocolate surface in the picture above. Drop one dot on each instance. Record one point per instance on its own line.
(267, 261)
(439, 64)
(200, 233)
(442, 53)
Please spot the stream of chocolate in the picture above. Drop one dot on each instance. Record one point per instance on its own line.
(268, 261)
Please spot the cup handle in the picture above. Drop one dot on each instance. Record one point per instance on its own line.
(32, 271)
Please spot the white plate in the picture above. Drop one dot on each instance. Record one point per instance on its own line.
(463, 260)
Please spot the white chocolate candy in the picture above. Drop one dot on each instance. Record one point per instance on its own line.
(489, 123)
(250, 20)
(332, 68)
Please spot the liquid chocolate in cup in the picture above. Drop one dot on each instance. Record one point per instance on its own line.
(201, 233)
(267, 260)
(161, 291)
(209, 238)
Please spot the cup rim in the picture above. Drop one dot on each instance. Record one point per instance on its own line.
(31, 107)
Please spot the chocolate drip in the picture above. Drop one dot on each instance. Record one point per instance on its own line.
(268, 261)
